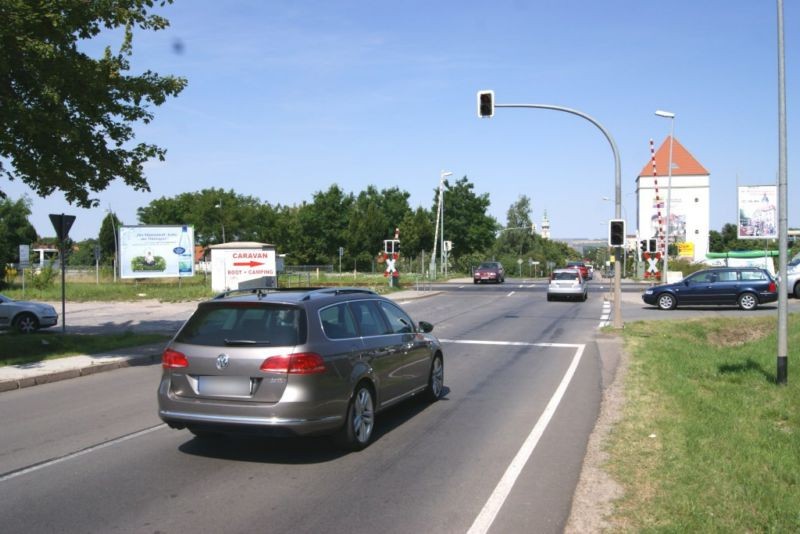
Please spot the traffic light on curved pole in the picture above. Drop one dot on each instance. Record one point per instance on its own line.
(486, 104)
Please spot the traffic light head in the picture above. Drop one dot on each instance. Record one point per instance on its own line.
(486, 104)
(652, 245)
(643, 245)
(616, 232)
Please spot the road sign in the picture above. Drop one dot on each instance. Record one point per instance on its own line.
(24, 256)
(62, 223)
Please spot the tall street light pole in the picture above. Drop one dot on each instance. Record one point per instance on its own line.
(221, 220)
(671, 117)
(439, 220)
(783, 209)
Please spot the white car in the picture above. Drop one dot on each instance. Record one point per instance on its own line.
(24, 316)
(793, 278)
(567, 284)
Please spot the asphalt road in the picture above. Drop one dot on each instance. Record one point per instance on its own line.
(501, 452)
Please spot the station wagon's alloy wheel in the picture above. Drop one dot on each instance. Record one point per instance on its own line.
(666, 301)
(357, 431)
(435, 380)
(748, 301)
(797, 290)
(26, 323)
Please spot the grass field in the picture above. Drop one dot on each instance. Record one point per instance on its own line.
(21, 349)
(708, 442)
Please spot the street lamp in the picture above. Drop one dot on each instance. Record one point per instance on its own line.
(221, 220)
(439, 217)
(671, 117)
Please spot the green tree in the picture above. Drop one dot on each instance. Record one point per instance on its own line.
(516, 237)
(322, 227)
(107, 239)
(15, 230)
(66, 119)
(416, 233)
(466, 222)
(373, 218)
(212, 212)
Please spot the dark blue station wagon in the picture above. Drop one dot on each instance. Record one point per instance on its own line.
(746, 287)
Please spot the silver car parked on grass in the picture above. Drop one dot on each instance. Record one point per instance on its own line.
(296, 362)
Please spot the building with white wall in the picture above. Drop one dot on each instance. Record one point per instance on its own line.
(689, 194)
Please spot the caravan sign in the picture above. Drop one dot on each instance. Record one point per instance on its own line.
(231, 267)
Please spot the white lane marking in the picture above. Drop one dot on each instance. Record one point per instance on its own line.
(521, 286)
(511, 293)
(510, 343)
(461, 287)
(606, 315)
(532, 285)
(87, 450)
(498, 497)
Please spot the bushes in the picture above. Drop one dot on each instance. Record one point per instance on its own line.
(43, 279)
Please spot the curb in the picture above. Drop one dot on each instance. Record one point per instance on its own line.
(94, 368)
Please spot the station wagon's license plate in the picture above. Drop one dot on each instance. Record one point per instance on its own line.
(227, 386)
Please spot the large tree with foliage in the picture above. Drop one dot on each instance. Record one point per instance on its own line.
(15, 230)
(66, 119)
(322, 227)
(212, 212)
(107, 238)
(466, 222)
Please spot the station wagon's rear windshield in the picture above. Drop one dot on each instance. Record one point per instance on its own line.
(244, 323)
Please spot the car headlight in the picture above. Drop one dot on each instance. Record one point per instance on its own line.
(648, 291)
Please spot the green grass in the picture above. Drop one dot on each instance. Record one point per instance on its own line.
(19, 349)
(86, 289)
(708, 441)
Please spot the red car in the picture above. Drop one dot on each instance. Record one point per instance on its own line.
(581, 267)
(489, 271)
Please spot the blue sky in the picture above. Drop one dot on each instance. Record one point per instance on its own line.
(286, 98)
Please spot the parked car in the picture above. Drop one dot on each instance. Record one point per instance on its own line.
(793, 278)
(26, 316)
(567, 284)
(747, 287)
(489, 271)
(296, 362)
(581, 266)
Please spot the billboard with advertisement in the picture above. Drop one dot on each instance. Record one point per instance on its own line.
(156, 251)
(758, 211)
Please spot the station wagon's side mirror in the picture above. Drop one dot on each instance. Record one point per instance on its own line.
(425, 326)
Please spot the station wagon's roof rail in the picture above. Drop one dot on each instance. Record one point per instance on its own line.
(309, 291)
(261, 291)
(339, 291)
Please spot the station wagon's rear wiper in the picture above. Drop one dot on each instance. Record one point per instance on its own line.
(246, 342)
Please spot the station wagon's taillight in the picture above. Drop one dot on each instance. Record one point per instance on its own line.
(772, 287)
(172, 359)
(300, 363)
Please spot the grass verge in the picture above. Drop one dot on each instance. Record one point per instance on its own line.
(20, 349)
(708, 441)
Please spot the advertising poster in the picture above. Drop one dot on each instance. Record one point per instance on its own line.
(156, 251)
(758, 211)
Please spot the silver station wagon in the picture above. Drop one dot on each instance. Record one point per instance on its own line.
(296, 362)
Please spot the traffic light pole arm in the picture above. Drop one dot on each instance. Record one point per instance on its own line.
(617, 190)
